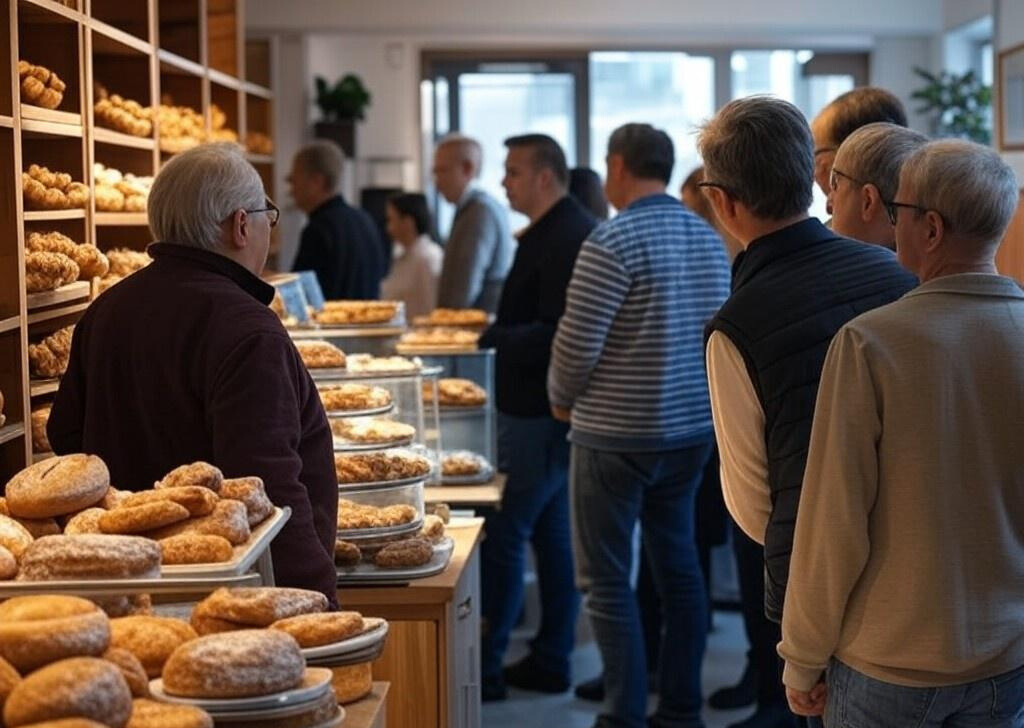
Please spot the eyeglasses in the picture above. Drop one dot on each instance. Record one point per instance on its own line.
(892, 208)
(725, 189)
(833, 180)
(274, 212)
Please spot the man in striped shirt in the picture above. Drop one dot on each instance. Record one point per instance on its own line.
(627, 370)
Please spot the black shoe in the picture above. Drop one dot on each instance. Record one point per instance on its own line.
(740, 695)
(528, 675)
(774, 715)
(493, 690)
(592, 690)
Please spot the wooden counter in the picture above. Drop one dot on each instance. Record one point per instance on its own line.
(461, 496)
(432, 657)
(369, 712)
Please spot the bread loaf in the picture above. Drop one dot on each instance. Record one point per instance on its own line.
(9, 678)
(38, 630)
(80, 687)
(14, 537)
(131, 669)
(197, 473)
(150, 639)
(252, 494)
(352, 682)
(260, 606)
(228, 520)
(191, 548)
(198, 500)
(151, 714)
(324, 628)
(90, 556)
(57, 485)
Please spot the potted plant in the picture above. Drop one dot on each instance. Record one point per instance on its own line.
(341, 105)
(960, 105)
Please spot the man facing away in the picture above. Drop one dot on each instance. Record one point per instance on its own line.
(340, 243)
(627, 368)
(794, 285)
(907, 578)
(479, 250)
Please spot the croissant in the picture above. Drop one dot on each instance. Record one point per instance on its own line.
(46, 271)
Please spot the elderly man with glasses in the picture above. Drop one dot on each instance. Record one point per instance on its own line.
(184, 361)
(906, 590)
(794, 285)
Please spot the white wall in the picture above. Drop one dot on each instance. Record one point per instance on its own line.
(956, 13)
(1009, 32)
(892, 66)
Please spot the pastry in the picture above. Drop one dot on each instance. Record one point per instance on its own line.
(352, 682)
(124, 262)
(181, 128)
(441, 510)
(90, 261)
(355, 516)
(113, 498)
(58, 485)
(453, 317)
(461, 464)
(229, 520)
(150, 639)
(197, 500)
(40, 527)
(351, 396)
(346, 553)
(379, 467)
(235, 665)
(404, 554)
(90, 556)
(49, 358)
(40, 85)
(192, 548)
(373, 432)
(198, 473)
(367, 363)
(38, 630)
(325, 628)
(433, 529)
(87, 521)
(260, 606)
(8, 565)
(455, 338)
(212, 625)
(142, 518)
(79, 687)
(153, 714)
(46, 271)
(357, 312)
(252, 495)
(9, 677)
(46, 190)
(456, 393)
(131, 669)
(320, 355)
(128, 117)
(40, 441)
(13, 536)
(256, 142)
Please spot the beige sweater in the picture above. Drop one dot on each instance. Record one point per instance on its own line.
(908, 563)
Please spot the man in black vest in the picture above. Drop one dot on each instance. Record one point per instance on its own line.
(794, 286)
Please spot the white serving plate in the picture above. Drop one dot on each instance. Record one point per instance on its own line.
(343, 445)
(245, 555)
(315, 685)
(361, 534)
(353, 644)
(345, 414)
(365, 573)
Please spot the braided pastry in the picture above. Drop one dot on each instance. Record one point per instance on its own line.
(48, 271)
(47, 190)
(91, 262)
(49, 358)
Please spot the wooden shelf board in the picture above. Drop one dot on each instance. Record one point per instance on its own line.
(109, 136)
(173, 63)
(48, 11)
(39, 387)
(133, 219)
(259, 158)
(222, 79)
(10, 432)
(7, 121)
(9, 324)
(51, 128)
(58, 312)
(42, 215)
(262, 92)
(52, 116)
(111, 37)
(71, 292)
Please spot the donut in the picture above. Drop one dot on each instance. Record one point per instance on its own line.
(38, 630)
(252, 494)
(198, 500)
(13, 536)
(90, 556)
(151, 714)
(142, 518)
(346, 553)
(8, 565)
(79, 687)
(131, 669)
(87, 521)
(195, 548)
(239, 664)
(58, 485)
(228, 520)
(260, 606)
(352, 682)
(404, 554)
(197, 473)
(325, 628)
(150, 639)
(9, 677)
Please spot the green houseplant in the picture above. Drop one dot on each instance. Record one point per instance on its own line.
(960, 105)
(341, 106)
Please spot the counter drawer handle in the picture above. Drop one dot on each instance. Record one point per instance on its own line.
(465, 609)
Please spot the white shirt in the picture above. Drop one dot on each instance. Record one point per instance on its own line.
(414, 276)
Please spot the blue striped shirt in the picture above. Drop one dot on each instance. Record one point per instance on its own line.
(628, 358)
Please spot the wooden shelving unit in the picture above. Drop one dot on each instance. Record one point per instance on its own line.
(186, 52)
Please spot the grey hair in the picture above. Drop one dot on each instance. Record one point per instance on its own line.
(875, 154)
(197, 190)
(468, 149)
(970, 185)
(324, 158)
(760, 150)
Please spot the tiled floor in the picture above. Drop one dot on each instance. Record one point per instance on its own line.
(722, 666)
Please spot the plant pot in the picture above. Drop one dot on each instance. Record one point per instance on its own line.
(342, 133)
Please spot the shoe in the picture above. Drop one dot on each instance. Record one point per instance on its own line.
(592, 690)
(528, 675)
(740, 695)
(492, 690)
(774, 715)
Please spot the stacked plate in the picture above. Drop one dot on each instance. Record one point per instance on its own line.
(364, 647)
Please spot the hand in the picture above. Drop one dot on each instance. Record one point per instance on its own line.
(561, 413)
(808, 704)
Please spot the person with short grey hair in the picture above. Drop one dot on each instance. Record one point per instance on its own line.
(864, 179)
(794, 285)
(340, 243)
(907, 578)
(184, 361)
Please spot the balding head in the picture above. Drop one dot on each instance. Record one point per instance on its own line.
(457, 161)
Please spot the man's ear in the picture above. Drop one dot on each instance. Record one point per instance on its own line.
(239, 222)
(936, 230)
(870, 203)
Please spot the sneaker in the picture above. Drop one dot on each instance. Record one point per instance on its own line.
(527, 674)
(740, 695)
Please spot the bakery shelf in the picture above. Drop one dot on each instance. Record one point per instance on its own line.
(44, 215)
(109, 32)
(135, 219)
(170, 60)
(259, 158)
(256, 90)
(7, 122)
(109, 136)
(39, 387)
(9, 324)
(51, 116)
(58, 312)
(11, 432)
(70, 292)
(48, 11)
(52, 128)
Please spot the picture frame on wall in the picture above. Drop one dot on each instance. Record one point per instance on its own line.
(1010, 108)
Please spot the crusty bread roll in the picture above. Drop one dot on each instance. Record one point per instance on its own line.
(150, 639)
(57, 485)
(39, 527)
(197, 473)
(87, 521)
(151, 714)
(113, 498)
(8, 564)
(13, 536)
(324, 628)
(143, 517)
(252, 494)
(131, 669)
(211, 625)
(194, 548)
(90, 556)
(9, 677)
(260, 606)
(79, 687)
(198, 500)
(228, 520)
(352, 682)
(38, 630)
(235, 665)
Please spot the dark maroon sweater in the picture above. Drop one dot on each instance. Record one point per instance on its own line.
(184, 361)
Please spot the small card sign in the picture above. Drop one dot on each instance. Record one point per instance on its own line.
(294, 299)
(311, 286)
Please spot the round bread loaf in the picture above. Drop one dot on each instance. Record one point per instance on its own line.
(252, 494)
(325, 628)
(260, 606)
(9, 677)
(90, 556)
(87, 521)
(151, 714)
(150, 639)
(131, 669)
(39, 527)
(58, 485)
(197, 473)
(352, 682)
(8, 565)
(13, 536)
(81, 687)
(38, 630)
(235, 665)
(143, 517)
(195, 548)
(198, 500)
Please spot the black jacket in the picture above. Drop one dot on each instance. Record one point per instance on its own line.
(532, 301)
(342, 245)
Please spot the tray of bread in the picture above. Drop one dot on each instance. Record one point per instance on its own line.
(458, 317)
(321, 357)
(384, 469)
(462, 467)
(395, 559)
(351, 399)
(370, 434)
(360, 314)
(438, 340)
(380, 512)
(456, 395)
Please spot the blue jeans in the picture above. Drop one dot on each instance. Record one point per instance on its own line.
(856, 700)
(534, 454)
(610, 492)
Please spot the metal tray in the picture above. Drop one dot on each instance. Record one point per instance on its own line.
(120, 587)
(354, 645)
(384, 484)
(359, 534)
(345, 414)
(314, 687)
(370, 574)
(245, 555)
(434, 349)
